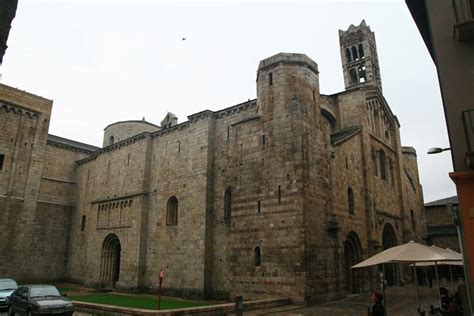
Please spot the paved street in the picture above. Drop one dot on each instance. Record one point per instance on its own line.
(401, 301)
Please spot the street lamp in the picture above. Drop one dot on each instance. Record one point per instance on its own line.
(436, 150)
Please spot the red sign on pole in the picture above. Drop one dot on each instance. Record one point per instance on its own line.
(162, 275)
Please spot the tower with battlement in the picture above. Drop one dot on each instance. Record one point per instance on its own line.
(360, 63)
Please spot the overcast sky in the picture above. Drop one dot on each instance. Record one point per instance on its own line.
(107, 61)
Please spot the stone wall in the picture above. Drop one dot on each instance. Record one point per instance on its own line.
(440, 226)
(413, 196)
(112, 198)
(24, 119)
(180, 162)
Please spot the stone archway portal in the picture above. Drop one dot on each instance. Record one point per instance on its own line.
(389, 239)
(110, 263)
(352, 256)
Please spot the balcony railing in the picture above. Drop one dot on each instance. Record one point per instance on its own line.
(468, 125)
(464, 14)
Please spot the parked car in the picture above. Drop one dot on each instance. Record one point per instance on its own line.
(7, 286)
(39, 299)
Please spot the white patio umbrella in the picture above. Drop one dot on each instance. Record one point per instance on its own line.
(410, 252)
(452, 255)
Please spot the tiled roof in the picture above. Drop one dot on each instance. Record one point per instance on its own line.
(71, 143)
(343, 135)
(445, 201)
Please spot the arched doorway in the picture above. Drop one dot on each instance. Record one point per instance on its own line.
(389, 239)
(352, 256)
(110, 263)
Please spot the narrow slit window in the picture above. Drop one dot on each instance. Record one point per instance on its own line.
(83, 223)
(258, 207)
(2, 159)
(228, 132)
(270, 79)
(350, 200)
(383, 172)
(263, 139)
(279, 194)
(258, 257)
(471, 4)
(228, 204)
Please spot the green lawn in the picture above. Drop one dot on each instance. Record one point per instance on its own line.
(63, 290)
(145, 302)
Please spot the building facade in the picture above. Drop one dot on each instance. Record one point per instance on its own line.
(276, 196)
(441, 220)
(447, 28)
(7, 14)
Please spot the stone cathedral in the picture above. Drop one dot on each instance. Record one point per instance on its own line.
(276, 196)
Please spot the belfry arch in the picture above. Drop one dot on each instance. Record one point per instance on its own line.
(389, 239)
(110, 261)
(352, 256)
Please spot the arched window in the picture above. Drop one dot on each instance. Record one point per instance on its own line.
(172, 211)
(383, 171)
(111, 140)
(390, 168)
(361, 51)
(228, 204)
(350, 200)
(352, 255)
(389, 239)
(374, 161)
(83, 223)
(348, 55)
(258, 257)
(354, 53)
(353, 76)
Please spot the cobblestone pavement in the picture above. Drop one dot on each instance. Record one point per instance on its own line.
(401, 301)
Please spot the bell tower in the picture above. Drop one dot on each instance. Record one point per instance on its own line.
(360, 63)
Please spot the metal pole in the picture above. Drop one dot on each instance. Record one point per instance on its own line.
(383, 290)
(451, 275)
(239, 305)
(159, 296)
(437, 283)
(416, 287)
(161, 276)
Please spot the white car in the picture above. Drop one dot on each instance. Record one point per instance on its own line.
(7, 286)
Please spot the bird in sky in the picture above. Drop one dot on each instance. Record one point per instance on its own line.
(183, 38)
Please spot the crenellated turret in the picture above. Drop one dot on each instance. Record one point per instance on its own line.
(285, 78)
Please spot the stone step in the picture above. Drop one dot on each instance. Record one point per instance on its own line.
(278, 310)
